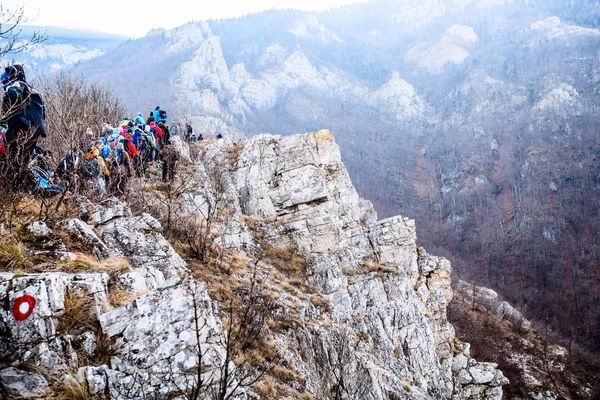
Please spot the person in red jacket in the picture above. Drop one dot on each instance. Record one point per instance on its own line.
(130, 147)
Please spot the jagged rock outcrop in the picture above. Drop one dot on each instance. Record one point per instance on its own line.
(157, 327)
(490, 300)
(388, 299)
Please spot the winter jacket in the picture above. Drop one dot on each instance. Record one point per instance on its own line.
(130, 147)
(136, 137)
(157, 117)
(139, 120)
(105, 151)
(23, 108)
(95, 153)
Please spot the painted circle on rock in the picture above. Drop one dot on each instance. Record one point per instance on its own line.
(23, 307)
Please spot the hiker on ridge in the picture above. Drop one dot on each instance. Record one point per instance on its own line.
(23, 114)
(160, 115)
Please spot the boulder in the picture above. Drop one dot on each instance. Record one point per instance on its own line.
(39, 229)
(23, 384)
(86, 235)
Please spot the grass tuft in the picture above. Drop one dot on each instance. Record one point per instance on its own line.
(14, 255)
(289, 262)
(70, 389)
(78, 313)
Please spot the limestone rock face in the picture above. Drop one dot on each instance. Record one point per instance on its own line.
(489, 299)
(157, 338)
(385, 321)
(389, 297)
(22, 384)
(139, 240)
(152, 335)
(32, 332)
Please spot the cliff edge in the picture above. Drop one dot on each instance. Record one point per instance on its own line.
(361, 311)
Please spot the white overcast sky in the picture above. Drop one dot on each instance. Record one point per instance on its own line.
(137, 17)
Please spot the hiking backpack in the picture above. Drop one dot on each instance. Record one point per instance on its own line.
(162, 114)
(44, 183)
(35, 111)
(91, 168)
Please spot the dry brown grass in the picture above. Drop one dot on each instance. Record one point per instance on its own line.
(285, 374)
(304, 396)
(321, 301)
(374, 267)
(78, 313)
(289, 262)
(266, 389)
(288, 287)
(89, 263)
(14, 255)
(118, 296)
(70, 389)
(250, 221)
(104, 351)
(232, 154)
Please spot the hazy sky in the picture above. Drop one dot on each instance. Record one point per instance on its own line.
(137, 17)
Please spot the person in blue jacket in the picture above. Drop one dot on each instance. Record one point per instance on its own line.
(135, 136)
(105, 149)
(160, 115)
(139, 119)
(5, 80)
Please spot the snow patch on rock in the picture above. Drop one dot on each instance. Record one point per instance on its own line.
(66, 53)
(434, 58)
(553, 28)
(310, 28)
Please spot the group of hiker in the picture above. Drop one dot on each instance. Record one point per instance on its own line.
(105, 158)
(117, 153)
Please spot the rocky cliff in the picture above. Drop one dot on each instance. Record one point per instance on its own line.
(364, 294)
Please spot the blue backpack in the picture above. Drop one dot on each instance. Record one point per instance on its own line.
(44, 183)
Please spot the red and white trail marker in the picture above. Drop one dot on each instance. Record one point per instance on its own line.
(23, 307)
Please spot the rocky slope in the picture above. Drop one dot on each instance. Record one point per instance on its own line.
(386, 298)
(468, 112)
(536, 365)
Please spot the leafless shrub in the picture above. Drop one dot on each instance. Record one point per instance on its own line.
(248, 357)
(342, 375)
(73, 106)
(196, 229)
(11, 21)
